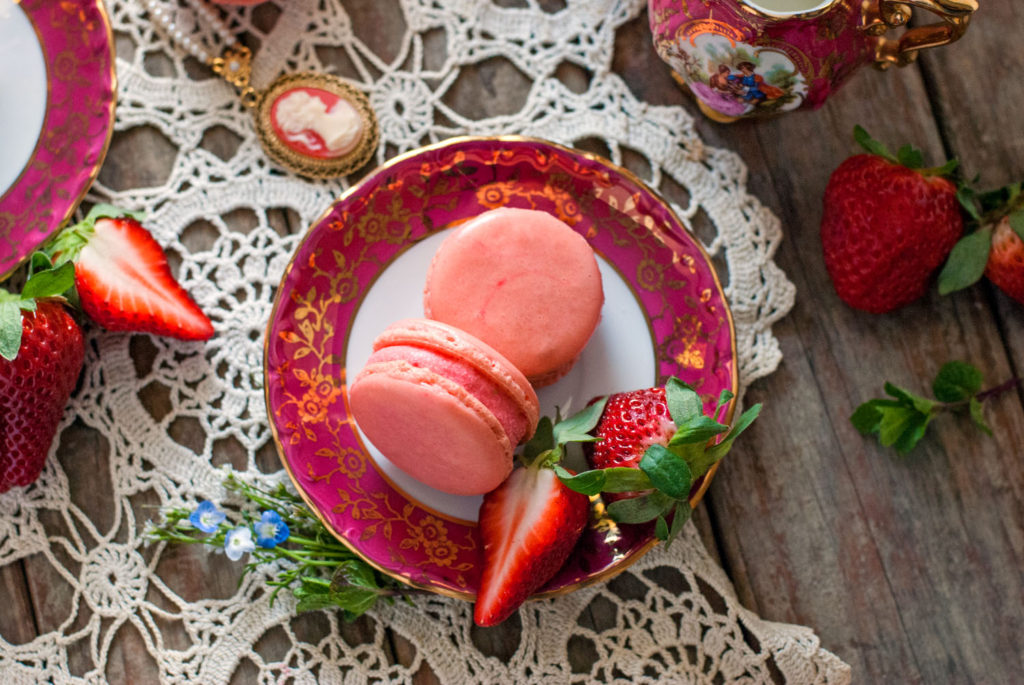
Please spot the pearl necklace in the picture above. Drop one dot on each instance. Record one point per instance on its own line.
(313, 124)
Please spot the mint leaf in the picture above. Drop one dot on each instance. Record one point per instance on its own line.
(899, 425)
(625, 479)
(868, 417)
(680, 516)
(966, 262)
(956, 382)
(978, 416)
(355, 601)
(577, 427)
(10, 329)
(588, 482)
(640, 509)
(716, 452)
(920, 404)
(355, 573)
(699, 429)
(1017, 223)
(667, 471)
(683, 401)
(543, 440)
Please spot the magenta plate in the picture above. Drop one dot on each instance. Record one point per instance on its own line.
(355, 250)
(75, 42)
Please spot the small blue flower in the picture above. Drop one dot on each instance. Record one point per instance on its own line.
(206, 517)
(271, 531)
(238, 542)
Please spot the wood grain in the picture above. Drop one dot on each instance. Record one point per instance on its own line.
(909, 569)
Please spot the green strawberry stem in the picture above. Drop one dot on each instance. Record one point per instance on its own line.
(666, 473)
(908, 155)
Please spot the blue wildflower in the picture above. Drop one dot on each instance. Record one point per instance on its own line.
(271, 531)
(238, 542)
(207, 517)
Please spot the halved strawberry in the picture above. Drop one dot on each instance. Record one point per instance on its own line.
(123, 280)
(530, 523)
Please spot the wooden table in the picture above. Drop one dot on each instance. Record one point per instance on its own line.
(910, 569)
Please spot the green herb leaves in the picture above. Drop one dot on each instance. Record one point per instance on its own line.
(46, 283)
(901, 422)
(666, 473)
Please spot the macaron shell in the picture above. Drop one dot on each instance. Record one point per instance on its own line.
(448, 340)
(431, 428)
(523, 282)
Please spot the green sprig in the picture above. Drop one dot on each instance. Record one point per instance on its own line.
(318, 570)
(901, 422)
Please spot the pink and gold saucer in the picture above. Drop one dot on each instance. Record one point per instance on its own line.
(57, 67)
(363, 264)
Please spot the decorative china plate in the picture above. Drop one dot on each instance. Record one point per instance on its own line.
(57, 67)
(363, 265)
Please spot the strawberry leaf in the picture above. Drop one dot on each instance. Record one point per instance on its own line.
(716, 452)
(966, 262)
(873, 146)
(699, 429)
(587, 483)
(910, 157)
(543, 440)
(50, 283)
(10, 328)
(1017, 223)
(723, 399)
(625, 479)
(968, 199)
(668, 472)
(957, 381)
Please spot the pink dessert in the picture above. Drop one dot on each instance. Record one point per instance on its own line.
(443, 406)
(523, 282)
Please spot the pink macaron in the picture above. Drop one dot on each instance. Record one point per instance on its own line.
(443, 406)
(522, 281)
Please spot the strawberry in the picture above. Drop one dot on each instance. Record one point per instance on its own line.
(995, 245)
(530, 523)
(41, 353)
(887, 225)
(1005, 266)
(652, 446)
(123, 280)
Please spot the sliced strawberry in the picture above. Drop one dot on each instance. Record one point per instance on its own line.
(529, 525)
(123, 280)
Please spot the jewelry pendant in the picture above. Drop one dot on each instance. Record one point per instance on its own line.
(313, 124)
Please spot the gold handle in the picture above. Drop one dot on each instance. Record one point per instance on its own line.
(955, 15)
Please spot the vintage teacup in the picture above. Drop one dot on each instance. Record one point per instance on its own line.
(751, 58)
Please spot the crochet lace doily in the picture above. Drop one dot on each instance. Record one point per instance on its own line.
(700, 633)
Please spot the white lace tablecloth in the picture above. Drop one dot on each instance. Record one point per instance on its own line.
(692, 636)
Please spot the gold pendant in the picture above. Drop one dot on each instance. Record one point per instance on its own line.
(313, 124)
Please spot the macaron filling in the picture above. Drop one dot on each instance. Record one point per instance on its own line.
(514, 422)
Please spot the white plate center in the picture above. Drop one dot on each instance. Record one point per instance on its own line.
(620, 355)
(22, 92)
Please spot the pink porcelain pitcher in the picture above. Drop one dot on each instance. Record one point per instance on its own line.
(752, 58)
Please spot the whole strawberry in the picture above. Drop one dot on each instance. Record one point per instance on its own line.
(41, 353)
(887, 226)
(995, 245)
(652, 447)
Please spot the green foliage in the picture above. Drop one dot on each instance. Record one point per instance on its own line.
(901, 422)
(319, 571)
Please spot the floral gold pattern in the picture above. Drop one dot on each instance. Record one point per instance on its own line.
(403, 202)
(77, 47)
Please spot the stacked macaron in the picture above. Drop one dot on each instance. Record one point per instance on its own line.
(511, 299)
